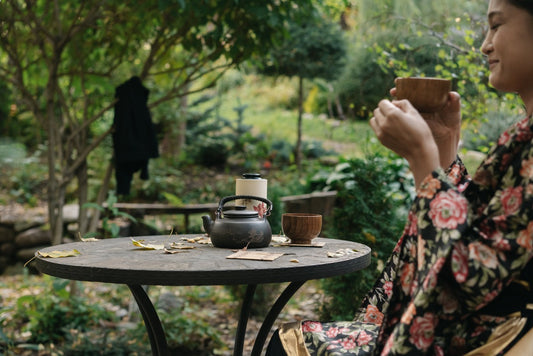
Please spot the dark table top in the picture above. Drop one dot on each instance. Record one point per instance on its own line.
(119, 261)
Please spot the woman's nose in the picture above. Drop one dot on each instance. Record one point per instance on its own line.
(486, 46)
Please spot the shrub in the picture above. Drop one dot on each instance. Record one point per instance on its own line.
(373, 197)
(50, 315)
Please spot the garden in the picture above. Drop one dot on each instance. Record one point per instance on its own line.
(290, 99)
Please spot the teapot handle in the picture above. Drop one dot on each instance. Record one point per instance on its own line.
(235, 197)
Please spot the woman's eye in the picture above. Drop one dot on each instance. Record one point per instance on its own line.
(495, 26)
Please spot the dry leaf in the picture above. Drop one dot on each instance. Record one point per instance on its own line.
(141, 244)
(174, 251)
(295, 260)
(89, 239)
(342, 252)
(180, 246)
(58, 254)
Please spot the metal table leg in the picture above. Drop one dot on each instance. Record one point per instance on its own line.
(158, 341)
(272, 315)
(243, 319)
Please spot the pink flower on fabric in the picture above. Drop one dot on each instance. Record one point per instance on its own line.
(524, 133)
(363, 338)
(525, 237)
(511, 200)
(412, 228)
(489, 297)
(460, 262)
(439, 351)
(422, 331)
(406, 277)
(485, 255)
(431, 279)
(527, 168)
(409, 313)
(428, 187)
(332, 332)
(455, 174)
(387, 288)
(348, 343)
(373, 315)
(311, 326)
(261, 209)
(421, 252)
(504, 138)
(388, 346)
(448, 210)
(448, 301)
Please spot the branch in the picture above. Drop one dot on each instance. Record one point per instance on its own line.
(82, 157)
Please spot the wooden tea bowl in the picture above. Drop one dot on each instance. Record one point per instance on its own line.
(427, 95)
(301, 228)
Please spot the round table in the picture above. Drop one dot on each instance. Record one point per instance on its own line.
(199, 263)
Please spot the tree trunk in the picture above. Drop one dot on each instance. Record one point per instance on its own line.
(102, 194)
(83, 187)
(182, 126)
(298, 150)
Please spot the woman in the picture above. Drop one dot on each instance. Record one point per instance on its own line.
(458, 280)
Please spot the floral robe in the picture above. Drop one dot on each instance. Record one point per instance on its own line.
(465, 241)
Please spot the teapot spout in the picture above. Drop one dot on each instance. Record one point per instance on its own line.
(208, 223)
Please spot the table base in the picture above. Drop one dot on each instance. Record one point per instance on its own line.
(156, 334)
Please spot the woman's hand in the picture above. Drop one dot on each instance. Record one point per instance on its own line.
(445, 126)
(400, 127)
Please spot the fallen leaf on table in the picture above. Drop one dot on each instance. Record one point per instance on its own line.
(192, 239)
(58, 254)
(141, 244)
(180, 246)
(89, 239)
(174, 251)
(342, 252)
(295, 260)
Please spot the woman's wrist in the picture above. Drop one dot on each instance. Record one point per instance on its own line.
(448, 149)
(424, 162)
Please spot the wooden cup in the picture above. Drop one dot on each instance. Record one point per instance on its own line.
(427, 95)
(301, 228)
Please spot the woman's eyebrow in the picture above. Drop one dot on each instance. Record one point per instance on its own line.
(493, 14)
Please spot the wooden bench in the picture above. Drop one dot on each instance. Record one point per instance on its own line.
(139, 211)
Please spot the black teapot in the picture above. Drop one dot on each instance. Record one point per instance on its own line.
(238, 228)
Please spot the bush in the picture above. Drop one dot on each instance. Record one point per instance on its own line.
(49, 316)
(481, 136)
(373, 197)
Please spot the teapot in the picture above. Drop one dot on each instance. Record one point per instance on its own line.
(238, 228)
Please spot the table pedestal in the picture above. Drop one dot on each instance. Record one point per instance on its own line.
(156, 334)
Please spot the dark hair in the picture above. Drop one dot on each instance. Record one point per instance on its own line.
(523, 4)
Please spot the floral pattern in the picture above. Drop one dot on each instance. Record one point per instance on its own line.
(465, 240)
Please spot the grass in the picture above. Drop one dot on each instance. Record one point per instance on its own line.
(270, 110)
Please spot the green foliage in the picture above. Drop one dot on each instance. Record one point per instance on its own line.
(372, 202)
(49, 316)
(110, 213)
(23, 176)
(363, 82)
(312, 50)
(481, 136)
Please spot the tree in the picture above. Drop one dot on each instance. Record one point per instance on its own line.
(312, 50)
(64, 59)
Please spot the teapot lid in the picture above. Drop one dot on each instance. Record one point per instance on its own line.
(241, 214)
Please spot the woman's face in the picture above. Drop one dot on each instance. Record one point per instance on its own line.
(509, 48)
